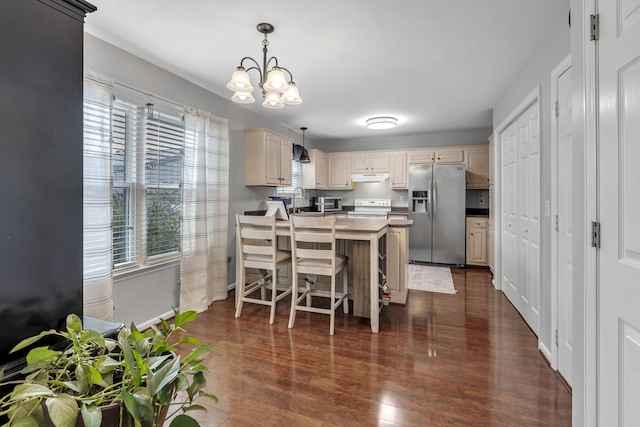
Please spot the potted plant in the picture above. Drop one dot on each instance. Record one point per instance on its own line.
(133, 379)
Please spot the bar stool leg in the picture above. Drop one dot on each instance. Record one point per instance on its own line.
(274, 295)
(294, 298)
(240, 291)
(345, 289)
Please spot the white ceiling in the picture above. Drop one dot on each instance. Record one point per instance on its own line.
(436, 65)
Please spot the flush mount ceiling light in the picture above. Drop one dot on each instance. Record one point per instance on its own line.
(381, 122)
(276, 90)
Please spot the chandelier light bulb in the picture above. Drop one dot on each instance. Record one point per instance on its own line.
(240, 81)
(272, 100)
(276, 81)
(243, 98)
(291, 96)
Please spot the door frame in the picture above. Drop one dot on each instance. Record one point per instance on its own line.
(585, 210)
(552, 353)
(497, 158)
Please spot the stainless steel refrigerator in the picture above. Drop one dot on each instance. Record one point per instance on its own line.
(437, 205)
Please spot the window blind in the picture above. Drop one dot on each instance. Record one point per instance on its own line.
(163, 152)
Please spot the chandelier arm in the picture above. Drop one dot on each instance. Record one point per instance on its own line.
(252, 60)
(273, 58)
(290, 75)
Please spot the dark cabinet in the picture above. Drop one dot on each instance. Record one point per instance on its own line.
(40, 166)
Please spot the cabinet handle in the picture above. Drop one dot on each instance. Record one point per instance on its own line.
(526, 230)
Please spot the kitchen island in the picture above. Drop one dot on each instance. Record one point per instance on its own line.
(369, 261)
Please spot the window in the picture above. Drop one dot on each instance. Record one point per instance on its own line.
(296, 180)
(147, 171)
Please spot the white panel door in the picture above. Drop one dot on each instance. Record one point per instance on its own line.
(508, 207)
(619, 210)
(528, 229)
(565, 227)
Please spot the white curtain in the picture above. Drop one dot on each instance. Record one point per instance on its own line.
(205, 200)
(97, 236)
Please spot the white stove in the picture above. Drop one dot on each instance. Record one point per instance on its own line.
(370, 208)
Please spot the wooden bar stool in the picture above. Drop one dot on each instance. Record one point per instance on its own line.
(256, 237)
(320, 260)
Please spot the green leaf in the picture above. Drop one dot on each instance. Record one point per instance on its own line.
(185, 317)
(91, 416)
(81, 379)
(198, 383)
(39, 357)
(105, 364)
(165, 375)
(165, 326)
(145, 403)
(25, 422)
(24, 391)
(208, 396)
(28, 341)
(131, 405)
(74, 323)
(28, 409)
(76, 386)
(189, 340)
(197, 355)
(184, 421)
(63, 410)
(195, 408)
(93, 336)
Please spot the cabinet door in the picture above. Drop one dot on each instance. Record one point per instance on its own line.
(360, 163)
(321, 172)
(478, 167)
(450, 156)
(393, 260)
(398, 175)
(379, 162)
(286, 154)
(421, 157)
(477, 241)
(477, 246)
(338, 171)
(273, 156)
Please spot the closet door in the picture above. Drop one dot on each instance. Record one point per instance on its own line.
(528, 230)
(520, 210)
(509, 216)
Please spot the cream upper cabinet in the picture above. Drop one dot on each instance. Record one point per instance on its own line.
(449, 155)
(478, 166)
(267, 158)
(477, 242)
(436, 155)
(338, 171)
(398, 171)
(421, 157)
(367, 162)
(314, 173)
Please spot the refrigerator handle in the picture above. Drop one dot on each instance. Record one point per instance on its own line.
(435, 200)
(429, 200)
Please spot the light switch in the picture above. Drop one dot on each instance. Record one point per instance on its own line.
(547, 211)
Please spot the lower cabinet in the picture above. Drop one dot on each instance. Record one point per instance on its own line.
(477, 241)
(398, 263)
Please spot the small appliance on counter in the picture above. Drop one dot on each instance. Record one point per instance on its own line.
(326, 204)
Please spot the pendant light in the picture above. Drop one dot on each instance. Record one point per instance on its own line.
(304, 157)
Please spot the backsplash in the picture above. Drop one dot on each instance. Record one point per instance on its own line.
(369, 190)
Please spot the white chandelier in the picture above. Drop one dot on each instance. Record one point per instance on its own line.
(276, 90)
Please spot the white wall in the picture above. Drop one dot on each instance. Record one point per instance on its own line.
(537, 72)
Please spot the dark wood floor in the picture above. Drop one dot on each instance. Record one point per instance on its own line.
(464, 359)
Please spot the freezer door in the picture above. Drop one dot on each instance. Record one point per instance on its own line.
(420, 208)
(449, 203)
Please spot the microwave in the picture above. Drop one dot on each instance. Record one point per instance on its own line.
(326, 204)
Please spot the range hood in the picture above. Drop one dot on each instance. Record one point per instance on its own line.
(369, 177)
